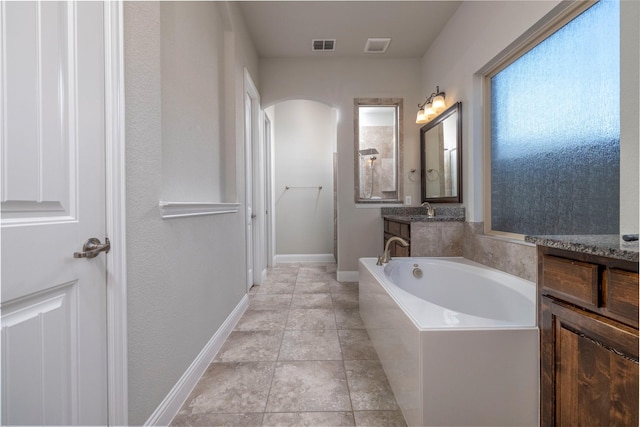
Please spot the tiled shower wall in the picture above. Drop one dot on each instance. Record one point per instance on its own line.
(384, 186)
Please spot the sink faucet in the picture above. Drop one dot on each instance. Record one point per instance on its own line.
(431, 212)
(386, 257)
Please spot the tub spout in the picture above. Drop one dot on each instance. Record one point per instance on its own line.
(386, 257)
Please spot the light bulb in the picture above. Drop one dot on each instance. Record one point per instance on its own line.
(438, 103)
(430, 112)
(421, 117)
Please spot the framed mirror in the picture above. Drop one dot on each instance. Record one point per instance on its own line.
(441, 157)
(377, 147)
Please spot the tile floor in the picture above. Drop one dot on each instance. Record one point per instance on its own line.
(299, 356)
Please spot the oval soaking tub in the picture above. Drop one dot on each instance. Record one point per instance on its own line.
(457, 340)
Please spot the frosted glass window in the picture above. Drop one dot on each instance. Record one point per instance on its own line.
(555, 131)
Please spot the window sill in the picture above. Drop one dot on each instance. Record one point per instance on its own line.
(185, 209)
(506, 237)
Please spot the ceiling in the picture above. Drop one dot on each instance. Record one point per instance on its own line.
(285, 29)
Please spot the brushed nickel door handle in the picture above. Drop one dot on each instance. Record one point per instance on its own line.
(92, 247)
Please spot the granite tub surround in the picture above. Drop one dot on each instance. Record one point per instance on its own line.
(607, 245)
(437, 239)
(511, 256)
(299, 356)
(438, 236)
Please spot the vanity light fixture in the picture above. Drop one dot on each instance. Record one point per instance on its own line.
(431, 106)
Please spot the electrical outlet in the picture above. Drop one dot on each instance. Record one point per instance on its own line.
(407, 200)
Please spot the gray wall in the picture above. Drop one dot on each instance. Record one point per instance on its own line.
(192, 155)
(476, 34)
(185, 275)
(181, 287)
(473, 37)
(336, 82)
(629, 117)
(303, 145)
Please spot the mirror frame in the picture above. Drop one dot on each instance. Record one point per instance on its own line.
(455, 108)
(379, 102)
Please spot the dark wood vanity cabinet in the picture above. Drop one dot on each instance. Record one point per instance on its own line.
(588, 319)
(401, 229)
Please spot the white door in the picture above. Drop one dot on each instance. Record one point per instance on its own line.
(248, 132)
(268, 200)
(52, 117)
(252, 188)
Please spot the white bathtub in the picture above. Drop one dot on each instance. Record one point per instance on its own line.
(459, 345)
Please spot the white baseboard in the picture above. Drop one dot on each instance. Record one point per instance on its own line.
(172, 403)
(347, 276)
(282, 259)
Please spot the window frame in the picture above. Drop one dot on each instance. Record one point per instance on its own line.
(551, 23)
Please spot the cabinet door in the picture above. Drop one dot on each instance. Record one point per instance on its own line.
(590, 368)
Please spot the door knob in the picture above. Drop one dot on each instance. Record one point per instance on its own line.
(92, 247)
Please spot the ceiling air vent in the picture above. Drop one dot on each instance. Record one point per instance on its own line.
(377, 45)
(323, 45)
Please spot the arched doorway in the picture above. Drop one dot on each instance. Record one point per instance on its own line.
(303, 135)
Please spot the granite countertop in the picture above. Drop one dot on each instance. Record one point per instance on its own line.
(422, 218)
(609, 245)
(419, 214)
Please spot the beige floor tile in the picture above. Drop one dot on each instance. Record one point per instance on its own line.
(310, 345)
(348, 318)
(312, 268)
(255, 346)
(311, 301)
(312, 288)
(218, 420)
(345, 300)
(343, 288)
(309, 386)
(356, 345)
(299, 356)
(368, 386)
(276, 288)
(379, 419)
(287, 277)
(311, 318)
(308, 419)
(237, 387)
(269, 302)
(258, 320)
(314, 277)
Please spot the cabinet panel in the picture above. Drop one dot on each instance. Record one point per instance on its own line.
(590, 367)
(573, 280)
(621, 292)
(400, 229)
(393, 228)
(400, 251)
(405, 231)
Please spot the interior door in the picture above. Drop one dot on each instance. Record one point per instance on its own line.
(54, 355)
(268, 223)
(248, 135)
